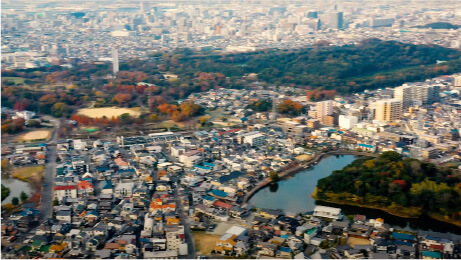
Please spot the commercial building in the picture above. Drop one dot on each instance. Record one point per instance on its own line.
(334, 20)
(254, 139)
(327, 212)
(347, 122)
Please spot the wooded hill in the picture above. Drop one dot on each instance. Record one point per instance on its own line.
(371, 64)
(405, 187)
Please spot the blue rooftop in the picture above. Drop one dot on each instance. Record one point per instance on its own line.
(108, 185)
(285, 249)
(219, 193)
(432, 254)
(366, 145)
(209, 164)
(434, 238)
(402, 236)
(209, 198)
(93, 212)
(126, 170)
(400, 242)
(202, 167)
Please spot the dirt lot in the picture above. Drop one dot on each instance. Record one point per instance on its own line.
(33, 174)
(109, 112)
(34, 135)
(204, 243)
(352, 241)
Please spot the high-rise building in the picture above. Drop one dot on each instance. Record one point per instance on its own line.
(416, 94)
(115, 61)
(144, 6)
(426, 94)
(458, 81)
(403, 93)
(388, 110)
(334, 20)
(323, 108)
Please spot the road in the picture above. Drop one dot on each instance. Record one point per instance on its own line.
(46, 206)
(183, 217)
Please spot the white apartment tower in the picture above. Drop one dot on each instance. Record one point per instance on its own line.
(388, 110)
(115, 61)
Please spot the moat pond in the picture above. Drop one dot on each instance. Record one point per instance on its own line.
(294, 195)
(16, 187)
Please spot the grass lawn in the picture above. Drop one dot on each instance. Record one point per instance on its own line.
(15, 80)
(29, 174)
(204, 243)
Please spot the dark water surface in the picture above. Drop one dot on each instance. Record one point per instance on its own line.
(293, 195)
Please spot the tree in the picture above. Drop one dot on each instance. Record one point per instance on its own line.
(5, 166)
(55, 202)
(391, 156)
(23, 196)
(33, 123)
(125, 118)
(5, 192)
(15, 201)
(60, 109)
(121, 98)
(290, 107)
(324, 244)
(274, 176)
(153, 117)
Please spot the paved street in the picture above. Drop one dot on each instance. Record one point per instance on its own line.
(46, 205)
(183, 216)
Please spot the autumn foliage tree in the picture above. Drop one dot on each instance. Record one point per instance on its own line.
(318, 95)
(182, 112)
(290, 107)
(121, 98)
(13, 126)
(189, 108)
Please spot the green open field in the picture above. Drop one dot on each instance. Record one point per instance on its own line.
(15, 80)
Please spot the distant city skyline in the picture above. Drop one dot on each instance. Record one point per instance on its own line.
(87, 31)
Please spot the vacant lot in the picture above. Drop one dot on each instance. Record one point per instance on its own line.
(204, 243)
(352, 241)
(33, 174)
(109, 112)
(34, 135)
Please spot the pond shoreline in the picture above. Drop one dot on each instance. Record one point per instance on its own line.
(298, 168)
